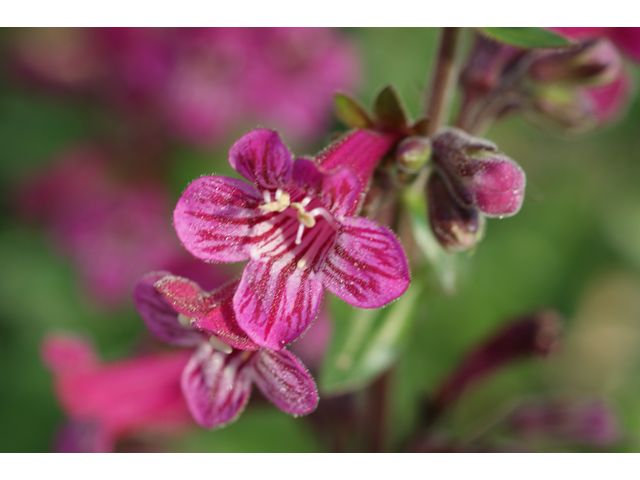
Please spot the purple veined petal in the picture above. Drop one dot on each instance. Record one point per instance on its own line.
(262, 158)
(339, 191)
(276, 301)
(216, 217)
(285, 381)
(221, 321)
(367, 266)
(159, 316)
(215, 386)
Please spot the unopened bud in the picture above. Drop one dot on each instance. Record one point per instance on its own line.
(413, 153)
(455, 227)
(589, 422)
(596, 62)
(478, 174)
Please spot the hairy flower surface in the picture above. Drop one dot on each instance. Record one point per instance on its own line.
(294, 224)
(217, 380)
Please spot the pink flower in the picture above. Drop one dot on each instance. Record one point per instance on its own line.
(115, 400)
(295, 225)
(114, 232)
(217, 381)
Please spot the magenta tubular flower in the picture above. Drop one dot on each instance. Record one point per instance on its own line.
(294, 224)
(627, 39)
(106, 402)
(217, 380)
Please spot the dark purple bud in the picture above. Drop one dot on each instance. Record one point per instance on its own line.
(478, 174)
(413, 153)
(590, 422)
(488, 61)
(525, 337)
(456, 227)
(596, 62)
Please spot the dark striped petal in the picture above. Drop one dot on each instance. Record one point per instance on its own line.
(367, 266)
(285, 381)
(262, 158)
(159, 316)
(276, 301)
(185, 296)
(216, 217)
(215, 386)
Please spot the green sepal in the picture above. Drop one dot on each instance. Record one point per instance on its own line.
(351, 113)
(388, 108)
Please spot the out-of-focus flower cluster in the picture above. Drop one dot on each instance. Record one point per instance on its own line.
(198, 84)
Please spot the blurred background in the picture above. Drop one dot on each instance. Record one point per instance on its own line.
(101, 131)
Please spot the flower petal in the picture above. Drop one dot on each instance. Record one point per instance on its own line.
(285, 381)
(216, 217)
(211, 312)
(159, 316)
(339, 191)
(215, 386)
(262, 158)
(367, 266)
(276, 301)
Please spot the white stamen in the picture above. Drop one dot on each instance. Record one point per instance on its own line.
(220, 344)
(267, 197)
(305, 202)
(184, 320)
(299, 236)
(302, 263)
(326, 215)
(278, 194)
(282, 202)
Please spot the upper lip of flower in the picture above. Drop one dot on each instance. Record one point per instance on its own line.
(293, 226)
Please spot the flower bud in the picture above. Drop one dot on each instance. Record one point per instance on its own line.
(589, 422)
(478, 174)
(487, 63)
(596, 62)
(525, 337)
(413, 153)
(455, 227)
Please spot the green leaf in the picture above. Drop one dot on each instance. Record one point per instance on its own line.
(389, 110)
(351, 113)
(525, 37)
(443, 263)
(366, 342)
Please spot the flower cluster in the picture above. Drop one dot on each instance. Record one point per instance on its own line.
(198, 83)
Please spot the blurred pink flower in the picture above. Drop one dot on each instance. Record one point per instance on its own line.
(108, 402)
(114, 232)
(200, 83)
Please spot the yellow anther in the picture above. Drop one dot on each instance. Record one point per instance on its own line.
(281, 203)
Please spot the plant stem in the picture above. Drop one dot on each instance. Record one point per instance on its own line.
(444, 79)
(378, 412)
(443, 84)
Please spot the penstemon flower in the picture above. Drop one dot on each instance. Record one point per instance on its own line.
(296, 227)
(217, 380)
(106, 403)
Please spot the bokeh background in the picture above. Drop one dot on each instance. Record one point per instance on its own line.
(68, 247)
